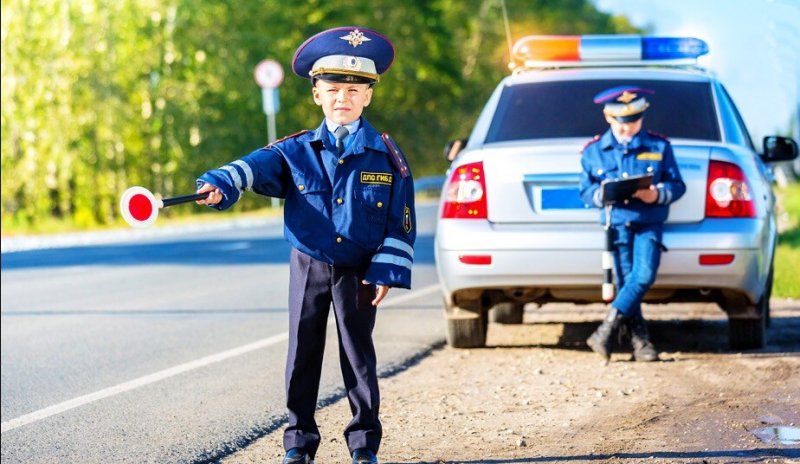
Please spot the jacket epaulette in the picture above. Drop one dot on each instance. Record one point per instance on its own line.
(296, 134)
(593, 140)
(398, 159)
(657, 135)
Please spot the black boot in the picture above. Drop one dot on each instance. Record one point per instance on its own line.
(643, 349)
(602, 339)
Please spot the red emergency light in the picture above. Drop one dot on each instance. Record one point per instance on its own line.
(139, 207)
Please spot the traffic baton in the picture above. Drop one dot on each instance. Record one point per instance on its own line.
(608, 259)
(139, 207)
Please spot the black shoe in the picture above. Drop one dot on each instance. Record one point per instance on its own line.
(602, 339)
(297, 456)
(364, 456)
(643, 349)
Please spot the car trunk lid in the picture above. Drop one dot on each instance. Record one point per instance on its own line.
(539, 183)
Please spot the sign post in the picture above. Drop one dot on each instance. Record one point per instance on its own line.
(269, 75)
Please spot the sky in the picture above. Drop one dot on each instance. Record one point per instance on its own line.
(754, 49)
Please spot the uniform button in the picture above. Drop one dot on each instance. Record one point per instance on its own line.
(341, 161)
(338, 239)
(379, 204)
(624, 174)
(301, 187)
(339, 201)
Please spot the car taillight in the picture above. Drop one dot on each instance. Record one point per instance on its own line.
(716, 259)
(465, 195)
(727, 193)
(481, 260)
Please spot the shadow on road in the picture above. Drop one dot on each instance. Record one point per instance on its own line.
(757, 455)
(684, 335)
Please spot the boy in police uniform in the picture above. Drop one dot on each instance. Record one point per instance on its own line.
(349, 217)
(637, 223)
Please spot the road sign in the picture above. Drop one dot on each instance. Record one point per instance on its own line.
(268, 74)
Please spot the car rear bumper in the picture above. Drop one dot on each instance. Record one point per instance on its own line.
(566, 261)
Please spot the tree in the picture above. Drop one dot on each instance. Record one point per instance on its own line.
(100, 95)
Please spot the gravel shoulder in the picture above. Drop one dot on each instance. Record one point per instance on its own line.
(538, 395)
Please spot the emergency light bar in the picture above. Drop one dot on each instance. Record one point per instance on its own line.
(547, 51)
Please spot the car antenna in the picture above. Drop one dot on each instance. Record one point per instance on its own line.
(508, 29)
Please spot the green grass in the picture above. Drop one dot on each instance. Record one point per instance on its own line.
(787, 257)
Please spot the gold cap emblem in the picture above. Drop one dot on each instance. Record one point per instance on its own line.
(627, 97)
(355, 38)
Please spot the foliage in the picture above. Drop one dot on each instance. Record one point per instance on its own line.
(787, 257)
(100, 95)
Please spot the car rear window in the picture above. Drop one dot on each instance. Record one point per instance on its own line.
(565, 109)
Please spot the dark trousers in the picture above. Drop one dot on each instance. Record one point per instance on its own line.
(313, 287)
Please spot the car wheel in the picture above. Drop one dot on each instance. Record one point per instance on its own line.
(746, 334)
(764, 302)
(751, 333)
(507, 313)
(467, 330)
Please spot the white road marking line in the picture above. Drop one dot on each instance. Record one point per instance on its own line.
(173, 371)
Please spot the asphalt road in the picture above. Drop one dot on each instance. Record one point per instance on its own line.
(169, 346)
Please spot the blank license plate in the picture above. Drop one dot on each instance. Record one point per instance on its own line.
(562, 198)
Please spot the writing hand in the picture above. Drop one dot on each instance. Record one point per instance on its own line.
(648, 195)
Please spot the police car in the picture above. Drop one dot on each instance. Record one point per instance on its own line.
(512, 228)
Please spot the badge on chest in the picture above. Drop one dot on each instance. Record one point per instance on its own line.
(649, 156)
(380, 178)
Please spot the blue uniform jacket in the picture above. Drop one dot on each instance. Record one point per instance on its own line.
(604, 158)
(354, 210)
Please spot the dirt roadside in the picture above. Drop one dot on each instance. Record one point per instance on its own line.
(537, 395)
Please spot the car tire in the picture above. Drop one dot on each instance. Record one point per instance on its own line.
(467, 332)
(746, 334)
(507, 313)
(751, 333)
(765, 300)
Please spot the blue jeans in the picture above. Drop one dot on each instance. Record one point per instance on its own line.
(637, 254)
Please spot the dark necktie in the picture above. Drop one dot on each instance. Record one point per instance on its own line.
(340, 133)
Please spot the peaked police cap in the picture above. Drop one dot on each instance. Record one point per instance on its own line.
(624, 103)
(344, 54)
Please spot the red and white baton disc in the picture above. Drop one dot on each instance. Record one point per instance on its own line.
(139, 207)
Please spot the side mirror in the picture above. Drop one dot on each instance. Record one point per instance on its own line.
(453, 147)
(778, 148)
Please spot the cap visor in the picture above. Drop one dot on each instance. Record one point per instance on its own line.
(629, 118)
(343, 78)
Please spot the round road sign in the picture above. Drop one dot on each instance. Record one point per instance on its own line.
(268, 74)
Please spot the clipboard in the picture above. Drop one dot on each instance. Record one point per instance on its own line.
(614, 191)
